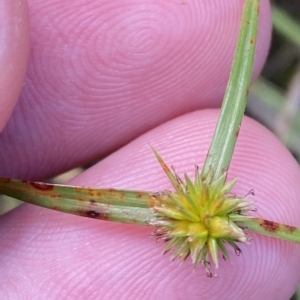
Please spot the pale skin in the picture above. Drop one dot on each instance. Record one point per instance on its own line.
(100, 74)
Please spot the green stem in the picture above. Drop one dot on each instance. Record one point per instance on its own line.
(234, 103)
(123, 206)
(133, 207)
(273, 229)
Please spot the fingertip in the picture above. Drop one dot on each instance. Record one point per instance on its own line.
(141, 63)
(260, 162)
(83, 254)
(14, 48)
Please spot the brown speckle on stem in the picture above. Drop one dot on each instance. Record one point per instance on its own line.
(116, 194)
(290, 228)
(93, 213)
(91, 192)
(6, 180)
(252, 41)
(270, 225)
(96, 214)
(41, 186)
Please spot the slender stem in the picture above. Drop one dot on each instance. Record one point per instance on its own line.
(273, 229)
(104, 204)
(234, 103)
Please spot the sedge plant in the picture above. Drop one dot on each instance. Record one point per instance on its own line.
(201, 218)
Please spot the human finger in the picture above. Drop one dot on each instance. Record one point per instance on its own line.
(14, 49)
(92, 259)
(102, 73)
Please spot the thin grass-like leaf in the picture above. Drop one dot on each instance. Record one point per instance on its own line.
(234, 103)
(177, 184)
(105, 204)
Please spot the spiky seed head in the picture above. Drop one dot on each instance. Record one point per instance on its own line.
(200, 218)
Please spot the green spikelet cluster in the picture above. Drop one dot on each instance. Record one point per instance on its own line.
(199, 218)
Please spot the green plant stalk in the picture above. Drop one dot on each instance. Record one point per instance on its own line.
(235, 99)
(131, 207)
(273, 229)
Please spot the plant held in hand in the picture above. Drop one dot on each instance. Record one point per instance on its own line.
(201, 218)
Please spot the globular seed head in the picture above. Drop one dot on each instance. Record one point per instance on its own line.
(200, 217)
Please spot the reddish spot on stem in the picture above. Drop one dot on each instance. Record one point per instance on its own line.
(252, 41)
(270, 226)
(91, 192)
(117, 194)
(94, 214)
(290, 228)
(6, 180)
(166, 169)
(77, 189)
(237, 133)
(41, 186)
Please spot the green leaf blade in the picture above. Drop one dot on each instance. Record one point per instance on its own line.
(105, 204)
(272, 229)
(234, 103)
